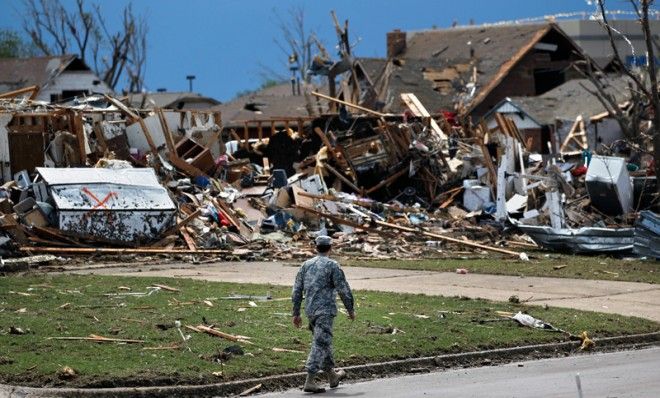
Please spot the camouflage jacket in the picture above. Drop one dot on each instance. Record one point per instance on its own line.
(320, 278)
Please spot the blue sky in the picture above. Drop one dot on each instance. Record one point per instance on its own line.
(223, 42)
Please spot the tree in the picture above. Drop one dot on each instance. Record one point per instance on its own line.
(644, 94)
(12, 45)
(296, 42)
(54, 30)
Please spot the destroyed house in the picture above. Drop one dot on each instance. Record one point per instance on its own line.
(473, 68)
(262, 113)
(550, 116)
(59, 78)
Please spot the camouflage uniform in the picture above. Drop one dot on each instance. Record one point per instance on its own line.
(320, 278)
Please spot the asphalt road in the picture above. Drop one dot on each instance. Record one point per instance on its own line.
(624, 374)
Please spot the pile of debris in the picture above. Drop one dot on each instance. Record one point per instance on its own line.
(385, 186)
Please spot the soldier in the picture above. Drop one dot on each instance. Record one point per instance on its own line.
(319, 278)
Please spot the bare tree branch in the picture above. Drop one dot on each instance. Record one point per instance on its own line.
(112, 55)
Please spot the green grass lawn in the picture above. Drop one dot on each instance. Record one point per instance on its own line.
(71, 305)
(541, 264)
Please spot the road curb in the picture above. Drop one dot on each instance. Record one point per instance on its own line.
(278, 382)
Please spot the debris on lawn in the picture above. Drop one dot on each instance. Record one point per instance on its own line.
(529, 321)
(5, 360)
(67, 372)
(250, 391)
(217, 333)
(276, 349)
(98, 339)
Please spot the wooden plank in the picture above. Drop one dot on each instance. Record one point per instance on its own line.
(326, 141)
(98, 339)
(113, 250)
(34, 90)
(77, 128)
(182, 223)
(577, 130)
(342, 177)
(166, 130)
(418, 109)
(492, 171)
(450, 200)
(185, 167)
(332, 217)
(122, 108)
(189, 240)
(100, 137)
(214, 332)
(448, 239)
(52, 233)
(246, 136)
(147, 135)
(358, 107)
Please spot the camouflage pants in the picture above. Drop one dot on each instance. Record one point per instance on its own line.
(320, 356)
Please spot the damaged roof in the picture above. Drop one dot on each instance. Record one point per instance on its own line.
(436, 64)
(170, 100)
(273, 102)
(16, 73)
(571, 99)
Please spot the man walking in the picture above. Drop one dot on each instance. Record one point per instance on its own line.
(320, 278)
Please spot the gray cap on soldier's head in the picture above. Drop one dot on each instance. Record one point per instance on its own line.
(323, 240)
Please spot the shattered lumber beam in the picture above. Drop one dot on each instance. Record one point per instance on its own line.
(326, 141)
(418, 109)
(213, 332)
(188, 239)
(363, 109)
(182, 165)
(182, 223)
(77, 128)
(572, 138)
(135, 118)
(52, 233)
(98, 339)
(332, 217)
(342, 177)
(122, 108)
(492, 171)
(11, 94)
(166, 130)
(100, 137)
(447, 238)
(118, 250)
(451, 198)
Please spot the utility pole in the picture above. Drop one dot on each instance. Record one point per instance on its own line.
(190, 81)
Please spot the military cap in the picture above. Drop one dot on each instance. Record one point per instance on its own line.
(323, 240)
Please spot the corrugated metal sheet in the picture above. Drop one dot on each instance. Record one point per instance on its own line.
(647, 235)
(582, 240)
(125, 205)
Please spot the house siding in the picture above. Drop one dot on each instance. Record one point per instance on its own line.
(73, 81)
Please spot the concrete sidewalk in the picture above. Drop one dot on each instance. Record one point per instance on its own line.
(626, 298)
